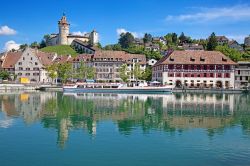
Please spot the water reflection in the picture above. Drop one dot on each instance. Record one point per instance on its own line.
(169, 113)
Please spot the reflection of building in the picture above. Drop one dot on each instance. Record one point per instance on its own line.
(205, 103)
(195, 69)
(165, 112)
(27, 105)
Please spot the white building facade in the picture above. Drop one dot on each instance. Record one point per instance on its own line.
(195, 69)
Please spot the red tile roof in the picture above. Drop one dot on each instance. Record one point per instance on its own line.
(122, 55)
(195, 57)
(11, 59)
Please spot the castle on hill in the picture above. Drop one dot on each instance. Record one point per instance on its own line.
(64, 37)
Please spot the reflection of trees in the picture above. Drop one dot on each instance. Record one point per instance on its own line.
(175, 113)
(132, 112)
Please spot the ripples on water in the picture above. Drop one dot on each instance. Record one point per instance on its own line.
(119, 129)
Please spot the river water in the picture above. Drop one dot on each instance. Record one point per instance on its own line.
(52, 128)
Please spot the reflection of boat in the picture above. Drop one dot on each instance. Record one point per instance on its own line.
(114, 88)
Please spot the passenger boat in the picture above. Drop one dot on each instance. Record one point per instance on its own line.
(114, 88)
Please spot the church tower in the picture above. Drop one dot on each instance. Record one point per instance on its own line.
(63, 26)
(94, 38)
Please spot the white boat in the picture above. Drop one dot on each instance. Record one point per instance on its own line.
(114, 88)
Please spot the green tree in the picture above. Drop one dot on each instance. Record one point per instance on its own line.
(169, 38)
(147, 74)
(64, 71)
(174, 38)
(126, 40)
(147, 38)
(99, 45)
(117, 47)
(182, 38)
(212, 43)
(123, 72)
(23, 46)
(137, 72)
(90, 72)
(42, 44)
(52, 71)
(233, 54)
(80, 72)
(34, 45)
(4, 75)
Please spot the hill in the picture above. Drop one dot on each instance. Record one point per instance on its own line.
(60, 50)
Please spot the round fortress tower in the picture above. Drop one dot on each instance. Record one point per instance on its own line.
(63, 26)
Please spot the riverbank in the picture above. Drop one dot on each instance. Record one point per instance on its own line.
(209, 90)
(21, 87)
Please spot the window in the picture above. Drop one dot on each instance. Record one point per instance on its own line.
(211, 74)
(177, 74)
(23, 58)
(31, 58)
(27, 68)
(170, 74)
(19, 63)
(170, 66)
(20, 68)
(227, 75)
(27, 74)
(19, 74)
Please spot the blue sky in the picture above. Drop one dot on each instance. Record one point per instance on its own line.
(27, 20)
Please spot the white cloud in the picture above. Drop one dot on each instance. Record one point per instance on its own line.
(5, 30)
(79, 33)
(9, 45)
(119, 31)
(234, 13)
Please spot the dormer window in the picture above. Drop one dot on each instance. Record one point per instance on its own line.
(192, 59)
(224, 59)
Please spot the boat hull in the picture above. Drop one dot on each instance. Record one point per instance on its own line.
(119, 90)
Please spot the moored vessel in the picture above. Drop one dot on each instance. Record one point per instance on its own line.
(114, 88)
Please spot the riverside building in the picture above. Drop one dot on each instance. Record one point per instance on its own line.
(195, 69)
